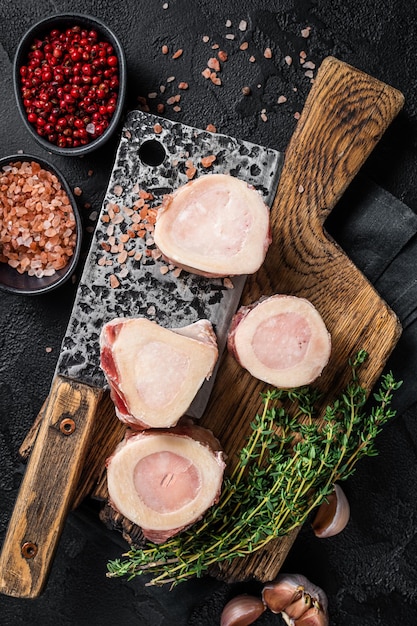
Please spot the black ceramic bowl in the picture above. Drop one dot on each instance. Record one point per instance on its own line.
(10, 279)
(38, 32)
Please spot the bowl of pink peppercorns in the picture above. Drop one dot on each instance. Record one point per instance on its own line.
(70, 83)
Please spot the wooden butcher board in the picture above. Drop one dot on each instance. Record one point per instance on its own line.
(345, 115)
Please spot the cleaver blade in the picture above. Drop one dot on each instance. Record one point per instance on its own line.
(147, 285)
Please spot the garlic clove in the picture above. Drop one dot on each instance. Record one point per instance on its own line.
(242, 611)
(313, 617)
(285, 590)
(300, 602)
(296, 609)
(332, 516)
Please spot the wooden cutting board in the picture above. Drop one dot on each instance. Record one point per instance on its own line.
(345, 115)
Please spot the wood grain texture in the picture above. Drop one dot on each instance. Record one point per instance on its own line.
(48, 488)
(345, 115)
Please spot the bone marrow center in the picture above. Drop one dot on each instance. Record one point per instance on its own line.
(162, 361)
(281, 341)
(212, 224)
(166, 481)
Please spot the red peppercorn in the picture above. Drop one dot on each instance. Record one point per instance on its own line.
(47, 75)
(112, 61)
(87, 69)
(75, 55)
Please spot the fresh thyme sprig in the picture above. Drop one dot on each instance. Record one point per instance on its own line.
(287, 468)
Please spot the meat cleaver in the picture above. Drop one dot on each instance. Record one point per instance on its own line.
(344, 116)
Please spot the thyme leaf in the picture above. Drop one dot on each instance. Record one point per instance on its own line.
(286, 469)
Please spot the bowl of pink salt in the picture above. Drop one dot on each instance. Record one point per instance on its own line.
(40, 226)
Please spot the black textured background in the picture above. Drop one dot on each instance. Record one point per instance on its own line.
(369, 571)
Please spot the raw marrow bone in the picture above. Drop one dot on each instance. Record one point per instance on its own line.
(217, 225)
(165, 480)
(154, 373)
(281, 340)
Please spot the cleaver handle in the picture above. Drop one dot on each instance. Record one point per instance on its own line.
(48, 487)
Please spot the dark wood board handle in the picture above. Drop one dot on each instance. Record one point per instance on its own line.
(344, 117)
(48, 488)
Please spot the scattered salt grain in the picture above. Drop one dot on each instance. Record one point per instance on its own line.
(243, 25)
(78, 191)
(214, 64)
(306, 32)
(281, 100)
(268, 53)
(122, 257)
(208, 160)
(124, 272)
(288, 60)
(114, 281)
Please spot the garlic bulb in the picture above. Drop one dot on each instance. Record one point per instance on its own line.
(332, 516)
(242, 611)
(300, 602)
